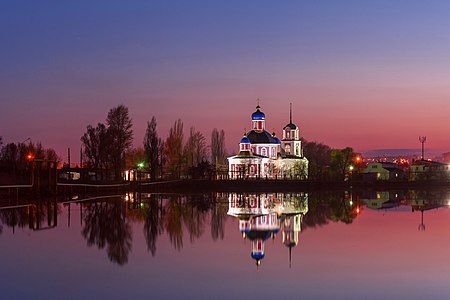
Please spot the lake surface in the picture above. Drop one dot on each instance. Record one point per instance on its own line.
(341, 245)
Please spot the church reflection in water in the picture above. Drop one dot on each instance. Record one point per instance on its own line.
(262, 216)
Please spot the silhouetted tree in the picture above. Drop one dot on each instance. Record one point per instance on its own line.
(195, 149)
(120, 129)
(174, 149)
(153, 146)
(319, 159)
(96, 144)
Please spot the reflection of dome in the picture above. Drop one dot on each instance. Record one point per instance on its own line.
(260, 234)
(258, 115)
(257, 255)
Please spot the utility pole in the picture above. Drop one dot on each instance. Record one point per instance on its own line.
(68, 158)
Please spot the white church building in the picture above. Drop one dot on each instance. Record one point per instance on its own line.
(263, 155)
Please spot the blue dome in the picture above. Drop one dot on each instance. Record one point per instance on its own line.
(245, 140)
(258, 115)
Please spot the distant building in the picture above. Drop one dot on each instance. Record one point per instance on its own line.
(428, 170)
(263, 155)
(446, 157)
(382, 171)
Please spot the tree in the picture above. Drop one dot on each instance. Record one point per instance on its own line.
(174, 148)
(218, 151)
(153, 146)
(319, 157)
(195, 149)
(341, 160)
(96, 143)
(121, 133)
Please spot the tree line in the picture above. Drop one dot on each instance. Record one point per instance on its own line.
(326, 163)
(107, 147)
(16, 158)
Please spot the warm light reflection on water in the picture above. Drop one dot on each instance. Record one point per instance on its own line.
(343, 245)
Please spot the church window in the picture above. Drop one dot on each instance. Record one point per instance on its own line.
(263, 151)
(288, 149)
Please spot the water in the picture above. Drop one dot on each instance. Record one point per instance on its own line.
(376, 245)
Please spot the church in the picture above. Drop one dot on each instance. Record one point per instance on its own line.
(264, 155)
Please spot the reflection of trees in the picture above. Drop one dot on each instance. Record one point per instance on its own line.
(189, 212)
(153, 225)
(32, 216)
(105, 225)
(218, 216)
(173, 222)
(328, 206)
(15, 217)
(177, 215)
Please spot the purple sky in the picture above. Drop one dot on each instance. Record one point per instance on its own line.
(366, 74)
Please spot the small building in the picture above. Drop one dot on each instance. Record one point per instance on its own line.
(428, 170)
(382, 171)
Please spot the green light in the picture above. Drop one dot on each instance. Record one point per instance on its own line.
(140, 165)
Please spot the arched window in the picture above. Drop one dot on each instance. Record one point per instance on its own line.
(288, 149)
(263, 151)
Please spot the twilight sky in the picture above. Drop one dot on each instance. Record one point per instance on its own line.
(366, 74)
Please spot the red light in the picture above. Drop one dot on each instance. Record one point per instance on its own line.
(30, 156)
(357, 210)
(358, 158)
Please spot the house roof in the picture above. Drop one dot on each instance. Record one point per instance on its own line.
(423, 162)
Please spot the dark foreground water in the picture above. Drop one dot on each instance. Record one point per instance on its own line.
(379, 245)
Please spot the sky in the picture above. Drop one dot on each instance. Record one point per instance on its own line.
(365, 74)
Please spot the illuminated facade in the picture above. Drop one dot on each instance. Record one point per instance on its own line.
(263, 155)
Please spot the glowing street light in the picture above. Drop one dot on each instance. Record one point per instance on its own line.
(140, 165)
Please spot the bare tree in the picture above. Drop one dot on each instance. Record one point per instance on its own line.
(174, 149)
(218, 152)
(195, 149)
(121, 133)
(96, 146)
